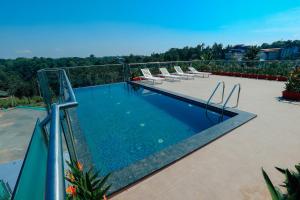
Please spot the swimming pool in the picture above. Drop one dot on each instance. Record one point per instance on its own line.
(131, 129)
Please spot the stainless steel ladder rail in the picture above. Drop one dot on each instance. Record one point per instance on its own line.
(229, 96)
(214, 92)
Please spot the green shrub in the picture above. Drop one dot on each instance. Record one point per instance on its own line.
(5, 103)
(15, 101)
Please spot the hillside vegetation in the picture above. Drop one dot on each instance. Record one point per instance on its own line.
(18, 76)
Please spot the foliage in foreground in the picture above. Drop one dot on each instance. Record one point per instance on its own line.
(293, 83)
(85, 185)
(291, 184)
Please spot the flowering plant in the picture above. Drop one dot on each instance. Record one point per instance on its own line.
(293, 83)
(85, 185)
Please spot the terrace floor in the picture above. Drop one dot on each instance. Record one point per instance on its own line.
(16, 127)
(230, 167)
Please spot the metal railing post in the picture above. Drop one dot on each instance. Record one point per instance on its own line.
(55, 185)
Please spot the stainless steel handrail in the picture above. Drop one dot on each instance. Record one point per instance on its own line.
(69, 87)
(229, 96)
(213, 93)
(88, 66)
(55, 184)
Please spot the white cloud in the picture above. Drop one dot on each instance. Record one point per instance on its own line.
(24, 51)
(58, 50)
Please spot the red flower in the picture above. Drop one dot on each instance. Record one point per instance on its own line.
(79, 166)
(71, 190)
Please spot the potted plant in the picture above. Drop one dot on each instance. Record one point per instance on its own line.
(237, 74)
(282, 78)
(253, 76)
(292, 86)
(229, 74)
(271, 77)
(135, 76)
(222, 73)
(261, 75)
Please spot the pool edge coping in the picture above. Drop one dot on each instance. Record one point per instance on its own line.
(133, 174)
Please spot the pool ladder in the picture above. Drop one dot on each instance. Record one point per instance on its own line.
(214, 92)
(235, 87)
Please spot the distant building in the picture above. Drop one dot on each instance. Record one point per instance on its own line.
(279, 53)
(290, 53)
(269, 54)
(237, 52)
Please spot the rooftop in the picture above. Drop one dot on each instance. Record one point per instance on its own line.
(227, 168)
(271, 50)
(230, 167)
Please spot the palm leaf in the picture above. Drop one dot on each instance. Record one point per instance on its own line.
(281, 170)
(274, 193)
(103, 181)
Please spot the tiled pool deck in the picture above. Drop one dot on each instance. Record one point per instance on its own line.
(230, 167)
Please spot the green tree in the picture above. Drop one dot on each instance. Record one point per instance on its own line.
(251, 53)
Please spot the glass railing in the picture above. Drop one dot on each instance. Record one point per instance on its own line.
(82, 76)
(42, 173)
(5, 191)
(32, 179)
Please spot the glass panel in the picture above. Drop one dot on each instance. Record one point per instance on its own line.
(32, 178)
(4, 191)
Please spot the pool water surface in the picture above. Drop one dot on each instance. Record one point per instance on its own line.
(124, 124)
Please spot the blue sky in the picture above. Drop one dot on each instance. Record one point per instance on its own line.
(53, 28)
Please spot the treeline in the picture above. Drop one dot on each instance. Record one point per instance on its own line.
(18, 77)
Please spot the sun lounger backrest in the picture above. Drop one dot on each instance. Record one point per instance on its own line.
(146, 73)
(178, 69)
(192, 69)
(164, 71)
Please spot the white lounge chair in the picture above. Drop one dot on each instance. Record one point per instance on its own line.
(148, 76)
(203, 74)
(181, 73)
(165, 73)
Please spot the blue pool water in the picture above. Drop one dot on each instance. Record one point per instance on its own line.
(123, 125)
